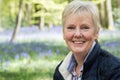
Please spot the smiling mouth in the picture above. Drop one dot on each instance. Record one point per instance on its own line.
(78, 42)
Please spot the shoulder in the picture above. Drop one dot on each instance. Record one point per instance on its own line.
(57, 75)
(109, 65)
(109, 59)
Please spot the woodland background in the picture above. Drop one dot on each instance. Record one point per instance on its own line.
(31, 43)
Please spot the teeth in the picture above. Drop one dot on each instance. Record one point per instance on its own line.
(78, 42)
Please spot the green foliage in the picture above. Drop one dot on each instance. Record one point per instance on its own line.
(8, 11)
(116, 16)
(8, 22)
(52, 12)
(49, 8)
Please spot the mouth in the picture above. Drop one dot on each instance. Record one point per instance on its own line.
(78, 42)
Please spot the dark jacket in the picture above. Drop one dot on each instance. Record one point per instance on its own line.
(100, 65)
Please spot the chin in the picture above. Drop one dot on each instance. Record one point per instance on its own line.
(78, 51)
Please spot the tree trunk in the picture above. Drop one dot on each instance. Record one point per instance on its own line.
(28, 12)
(0, 16)
(110, 16)
(102, 14)
(50, 25)
(69, 1)
(18, 21)
(118, 3)
(41, 23)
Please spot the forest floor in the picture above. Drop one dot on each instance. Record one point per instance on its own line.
(55, 33)
(34, 54)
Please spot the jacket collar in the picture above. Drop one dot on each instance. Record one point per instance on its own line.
(87, 64)
(92, 57)
(63, 67)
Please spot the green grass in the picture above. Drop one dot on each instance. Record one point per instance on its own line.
(15, 64)
(30, 69)
(35, 67)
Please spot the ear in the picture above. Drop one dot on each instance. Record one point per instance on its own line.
(97, 33)
(63, 35)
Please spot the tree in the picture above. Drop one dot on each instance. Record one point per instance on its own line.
(28, 12)
(48, 12)
(118, 3)
(103, 13)
(69, 1)
(42, 20)
(0, 15)
(18, 21)
(110, 16)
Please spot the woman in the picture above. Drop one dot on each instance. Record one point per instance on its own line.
(86, 61)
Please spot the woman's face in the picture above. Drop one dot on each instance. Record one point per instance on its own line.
(79, 33)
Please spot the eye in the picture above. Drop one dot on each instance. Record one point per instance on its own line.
(71, 27)
(85, 27)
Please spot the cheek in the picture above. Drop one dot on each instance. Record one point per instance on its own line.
(89, 36)
(67, 35)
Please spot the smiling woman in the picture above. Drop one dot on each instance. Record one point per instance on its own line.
(79, 33)
(86, 60)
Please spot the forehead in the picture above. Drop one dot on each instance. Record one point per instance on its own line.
(83, 14)
(78, 18)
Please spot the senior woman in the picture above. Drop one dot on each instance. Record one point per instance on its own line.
(86, 61)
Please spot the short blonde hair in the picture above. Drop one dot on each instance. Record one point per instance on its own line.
(77, 6)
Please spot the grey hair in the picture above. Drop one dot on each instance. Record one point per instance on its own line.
(77, 6)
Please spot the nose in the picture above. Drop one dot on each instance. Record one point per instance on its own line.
(77, 33)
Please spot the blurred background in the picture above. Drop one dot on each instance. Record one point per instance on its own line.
(31, 42)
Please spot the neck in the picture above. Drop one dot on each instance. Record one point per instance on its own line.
(80, 58)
